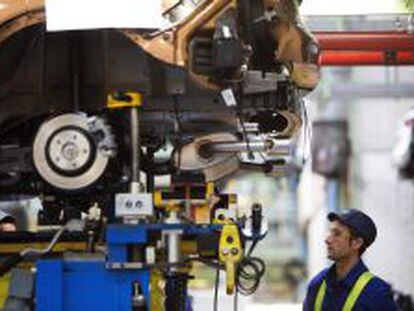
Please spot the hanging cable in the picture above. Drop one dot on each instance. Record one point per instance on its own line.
(307, 132)
(216, 287)
(252, 247)
(239, 114)
(250, 270)
(249, 274)
(236, 300)
(178, 128)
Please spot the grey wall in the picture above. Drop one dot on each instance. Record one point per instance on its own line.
(378, 190)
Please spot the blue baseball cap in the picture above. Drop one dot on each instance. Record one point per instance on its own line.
(359, 222)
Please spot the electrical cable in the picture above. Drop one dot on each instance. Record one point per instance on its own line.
(176, 112)
(236, 300)
(243, 127)
(252, 247)
(240, 118)
(178, 128)
(216, 287)
(303, 145)
(249, 273)
(308, 131)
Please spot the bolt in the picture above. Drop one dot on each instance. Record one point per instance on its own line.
(230, 239)
(128, 204)
(138, 204)
(225, 251)
(234, 251)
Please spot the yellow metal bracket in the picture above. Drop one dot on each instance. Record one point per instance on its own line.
(202, 205)
(168, 205)
(230, 253)
(124, 100)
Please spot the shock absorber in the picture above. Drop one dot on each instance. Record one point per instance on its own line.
(176, 291)
(176, 282)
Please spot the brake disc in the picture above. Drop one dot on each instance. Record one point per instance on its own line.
(65, 153)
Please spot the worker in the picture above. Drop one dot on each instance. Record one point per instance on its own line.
(7, 223)
(348, 285)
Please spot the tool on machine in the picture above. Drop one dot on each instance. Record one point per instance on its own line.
(230, 254)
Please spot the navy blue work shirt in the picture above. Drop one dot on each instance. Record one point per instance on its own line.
(376, 296)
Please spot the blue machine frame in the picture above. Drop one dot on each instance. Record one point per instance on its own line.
(78, 285)
(88, 284)
(85, 284)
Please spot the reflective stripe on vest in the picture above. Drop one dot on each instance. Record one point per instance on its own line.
(353, 296)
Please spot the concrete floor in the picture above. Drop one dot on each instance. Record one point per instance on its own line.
(203, 301)
(276, 307)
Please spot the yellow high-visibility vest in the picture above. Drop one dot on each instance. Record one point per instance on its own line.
(353, 296)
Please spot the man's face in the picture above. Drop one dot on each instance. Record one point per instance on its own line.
(7, 227)
(340, 244)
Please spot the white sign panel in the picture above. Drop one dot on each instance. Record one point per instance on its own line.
(94, 14)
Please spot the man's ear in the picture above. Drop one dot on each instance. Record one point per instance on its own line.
(357, 243)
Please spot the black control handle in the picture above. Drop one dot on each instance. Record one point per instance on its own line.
(257, 217)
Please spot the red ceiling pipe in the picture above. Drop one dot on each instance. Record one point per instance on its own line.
(365, 48)
(365, 58)
(384, 41)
